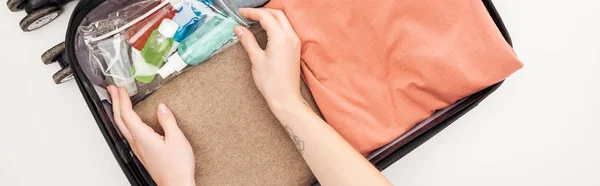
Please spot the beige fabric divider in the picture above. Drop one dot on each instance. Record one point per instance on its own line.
(235, 137)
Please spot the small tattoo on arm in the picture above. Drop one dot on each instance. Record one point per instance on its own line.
(299, 143)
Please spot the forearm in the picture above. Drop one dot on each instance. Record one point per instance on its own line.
(329, 156)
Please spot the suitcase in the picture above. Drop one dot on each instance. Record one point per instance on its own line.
(137, 175)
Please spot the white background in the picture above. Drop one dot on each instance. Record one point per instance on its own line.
(540, 128)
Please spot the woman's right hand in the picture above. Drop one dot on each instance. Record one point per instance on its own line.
(276, 70)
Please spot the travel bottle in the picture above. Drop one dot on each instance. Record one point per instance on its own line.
(188, 18)
(138, 34)
(200, 45)
(155, 51)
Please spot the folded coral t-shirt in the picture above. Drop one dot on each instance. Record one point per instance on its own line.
(376, 68)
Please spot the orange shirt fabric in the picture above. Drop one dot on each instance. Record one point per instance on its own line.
(377, 68)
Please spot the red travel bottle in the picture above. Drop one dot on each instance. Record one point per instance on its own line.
(138, 34)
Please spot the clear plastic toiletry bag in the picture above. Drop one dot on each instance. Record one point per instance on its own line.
(143, 45)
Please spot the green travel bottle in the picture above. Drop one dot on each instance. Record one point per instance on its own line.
(200, 45)
(155, 51)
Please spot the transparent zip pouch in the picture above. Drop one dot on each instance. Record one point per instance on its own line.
(142, 50)
(116, 20)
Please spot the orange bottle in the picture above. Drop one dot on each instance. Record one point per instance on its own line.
(138, 34)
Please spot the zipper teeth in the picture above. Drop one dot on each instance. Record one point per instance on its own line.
(136, 20)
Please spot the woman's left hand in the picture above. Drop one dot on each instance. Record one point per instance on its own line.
(169, 159)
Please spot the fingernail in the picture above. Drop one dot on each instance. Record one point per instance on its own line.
(238, 31)
(109, 88)
(162, 108)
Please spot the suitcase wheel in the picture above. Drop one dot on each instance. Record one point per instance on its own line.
(63, 75)
(39, 18)
(16, 5)
(52, 54)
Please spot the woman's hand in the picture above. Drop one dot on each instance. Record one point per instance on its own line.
(169, 159)
(276, 70)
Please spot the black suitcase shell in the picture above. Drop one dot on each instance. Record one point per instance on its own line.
(136, 173)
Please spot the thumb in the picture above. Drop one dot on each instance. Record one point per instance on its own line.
(249, 42)
(167, 121)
